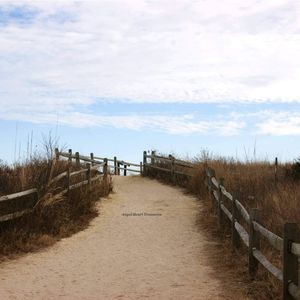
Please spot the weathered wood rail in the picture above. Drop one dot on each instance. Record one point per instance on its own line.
(86, 171)
(288, 245)
(237, 214)
(117, 165)
(91, 168)
(19, 204)
(167, 164)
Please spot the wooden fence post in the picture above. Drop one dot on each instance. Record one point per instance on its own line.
(144, 162)
(125, 170)
(275, 170)
(115, 166)
(70, 156)
(220, 214)
(92, 159)
(56, 154)
(152, 157)
(105, 167)
(68, 178)
(89, 174)
(172, 168)
(212, 174)
(77, 159)
(254, 241)
(208, 175)
(141, 168)
(119, 170)
(235, 238)
(290, 261)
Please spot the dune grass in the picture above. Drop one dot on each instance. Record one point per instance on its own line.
(50, 220)
(256, 186)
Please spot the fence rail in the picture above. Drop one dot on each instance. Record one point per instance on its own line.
(17, 195)
(178, 162)
(19, 204)
(288, 245)
(98, 162)
(167, 164)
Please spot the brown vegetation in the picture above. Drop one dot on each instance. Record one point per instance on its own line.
(256, 186)
(53, 218)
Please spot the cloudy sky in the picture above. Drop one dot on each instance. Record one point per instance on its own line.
(118, 77)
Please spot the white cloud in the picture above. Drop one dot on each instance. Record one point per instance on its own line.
(279, 123)
(180, 124)
(74, 52)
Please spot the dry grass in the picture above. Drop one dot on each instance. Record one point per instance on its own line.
(51, 220)
(254, 184)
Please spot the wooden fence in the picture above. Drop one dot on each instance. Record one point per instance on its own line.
(236, 213)
(19, 204)
(167, 164)
(111, 163)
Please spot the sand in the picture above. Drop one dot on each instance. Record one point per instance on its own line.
(143, 245)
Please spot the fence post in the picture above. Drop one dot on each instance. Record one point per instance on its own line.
(141, 168)
(144, 162)
(235, 238)
(211, 188)
(220, 214)
(290, 261)
(105, 167)
(77, 159)
(119, 166)
(172, 168)
(152, 157)
(125, 170)
(88, 174)
(70, 156)
(208, 175)
(56, 154)
(92, 159)
(115, 166)
(275, 170)
(68, 178)
(254, 241)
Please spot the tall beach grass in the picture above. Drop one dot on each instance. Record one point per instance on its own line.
(52, 218)
(257, 185)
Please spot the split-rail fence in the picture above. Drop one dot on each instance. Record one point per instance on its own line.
(16, 205)
(237, 214)
(19, 204)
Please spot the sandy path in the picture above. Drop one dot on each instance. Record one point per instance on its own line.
(122, 257)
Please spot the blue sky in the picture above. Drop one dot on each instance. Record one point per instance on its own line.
(119, 77)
